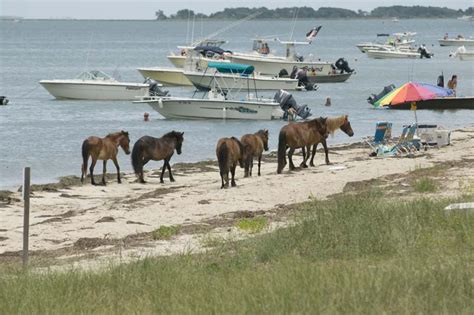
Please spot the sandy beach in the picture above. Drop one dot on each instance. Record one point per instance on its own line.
(73, 220)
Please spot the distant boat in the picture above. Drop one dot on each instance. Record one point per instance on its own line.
(466, 18)
(463, 54)
(395, 20)
(458, 41)
(95, 85)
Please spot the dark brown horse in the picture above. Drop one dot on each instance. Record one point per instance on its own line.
(103, 149)
(229, 151)
(149, 148)
(299, 135)
(333, 123)
(254, 145)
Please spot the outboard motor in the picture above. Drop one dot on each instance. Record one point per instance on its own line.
(375, 97)
(287, 101)
(423, 52)
(343, 65)
(154, 88)
(283, 73)
(3, 100)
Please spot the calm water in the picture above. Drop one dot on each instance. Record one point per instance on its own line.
(46, 134)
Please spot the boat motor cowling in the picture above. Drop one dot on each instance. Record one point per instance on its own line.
(287, 101)
(375, 97)
(154, 88)
(3, 100)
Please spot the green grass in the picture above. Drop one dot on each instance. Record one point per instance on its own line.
(252, 225)
(425, 184)
(166, 232)
(356, 254)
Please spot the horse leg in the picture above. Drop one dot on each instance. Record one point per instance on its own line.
(305, 156)
(311, 163)
(232, 171)
(84, 169)
(104, 170)
(290, 158)
(259, 160)
(114, 159)
(163, 172)
(141, 176)
(251, 166)
(169, 170)
(91, 170)
(326, 151)
(247, 170)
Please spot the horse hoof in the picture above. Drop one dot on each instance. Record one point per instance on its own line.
(172, 180)
(119, 181)
(234, 184)
(161, 181)
(304, 166)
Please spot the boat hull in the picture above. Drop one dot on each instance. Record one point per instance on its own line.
(204, 82)
(166, 76)
(333, 78)
(469, 56)
(446, 103)
(188, 108)
(95, 91)
(456, 42)
(381, 54)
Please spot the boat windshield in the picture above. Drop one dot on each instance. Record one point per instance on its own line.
(94, 75)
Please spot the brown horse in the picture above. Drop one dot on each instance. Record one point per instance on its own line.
(229, 151)
(149, 148)
(333, 123)
(299, 135)
(103, 149)
(254, 145)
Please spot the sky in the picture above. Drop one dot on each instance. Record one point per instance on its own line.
(145, 9)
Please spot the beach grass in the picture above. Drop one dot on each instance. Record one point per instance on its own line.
(359, 254)
(425, 184)
(166, 232)
(252, 225)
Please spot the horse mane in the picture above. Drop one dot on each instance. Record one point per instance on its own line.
(334, 123)
(173, 134)
(114, 134)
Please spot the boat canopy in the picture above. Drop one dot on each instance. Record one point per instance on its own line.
(226, 67)
(211, 49)
(94, 75)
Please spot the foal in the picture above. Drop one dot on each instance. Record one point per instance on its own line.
(254, 145)
(103, 149)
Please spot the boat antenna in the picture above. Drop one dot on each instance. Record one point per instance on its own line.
(294, 23)
(247, 18)
(89, 51)
(187, 28)
(192, 32)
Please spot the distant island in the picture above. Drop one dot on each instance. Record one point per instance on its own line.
(399, 11)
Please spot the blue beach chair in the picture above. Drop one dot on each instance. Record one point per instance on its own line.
(383, 134)
(406, 144)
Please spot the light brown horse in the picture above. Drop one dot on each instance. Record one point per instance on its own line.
(103, 149)
(254, 145)
(149, 148)
(333, 124)
(299, 135)
(229, 151)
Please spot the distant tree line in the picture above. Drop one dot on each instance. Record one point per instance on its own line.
(404, 12)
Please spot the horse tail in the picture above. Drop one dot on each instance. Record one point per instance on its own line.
(223, 158)
(85, 158)
(281, 151)
(137, 157)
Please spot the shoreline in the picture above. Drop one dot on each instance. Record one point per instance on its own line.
(65, 215)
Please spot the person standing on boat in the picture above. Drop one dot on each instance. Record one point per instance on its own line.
(453, 83)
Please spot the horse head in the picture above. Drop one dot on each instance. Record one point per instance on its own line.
(264, 136)
(124, 141)
(346, 126)
(179, 141)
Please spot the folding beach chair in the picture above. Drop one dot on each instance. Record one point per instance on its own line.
(383, 134)
(406, 143)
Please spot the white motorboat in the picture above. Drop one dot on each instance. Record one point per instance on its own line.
(463, 54)
(216, 106)
(166, 76)
(392, 53)
(458, 41)
(268, 64)
(95, 85)
(402, 41)
(237, 77)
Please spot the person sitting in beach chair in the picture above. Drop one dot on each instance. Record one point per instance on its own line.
(383, 134)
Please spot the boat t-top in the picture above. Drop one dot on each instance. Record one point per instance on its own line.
(457, 41)
(178, 60)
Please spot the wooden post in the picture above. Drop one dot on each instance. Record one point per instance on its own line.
(26, 216)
